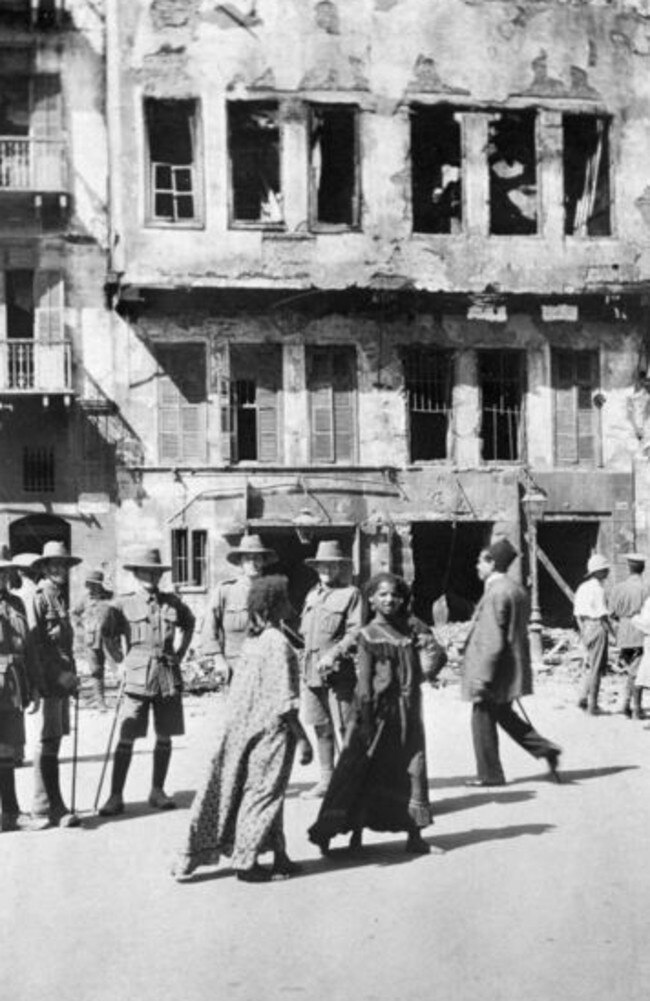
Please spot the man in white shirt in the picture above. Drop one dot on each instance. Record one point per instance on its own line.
(592, 615)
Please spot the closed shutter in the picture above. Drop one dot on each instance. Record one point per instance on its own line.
(267, 423)
(332, 390)
(49, 303)
(182, 403)
(222, 374)
(321, 409)
(575, 376)
(344, 404)
(586, 383)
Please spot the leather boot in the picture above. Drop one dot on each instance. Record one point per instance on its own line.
(158, 798)
(59, 814)
(114, 805)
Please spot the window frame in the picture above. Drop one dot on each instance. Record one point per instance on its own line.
(456, 111)
(151, 221)
(201, 408)
(447, 355)
(608, 121)
(255, 224)
(596, 461)
(315, 225)
(493, 115)
(313, 351)
(192, 558)
(519, 358)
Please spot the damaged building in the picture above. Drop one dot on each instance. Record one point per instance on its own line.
(377, 270)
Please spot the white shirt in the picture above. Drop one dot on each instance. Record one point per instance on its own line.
(589, 601)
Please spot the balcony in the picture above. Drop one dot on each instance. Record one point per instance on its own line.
(32, 165)
(30, 367)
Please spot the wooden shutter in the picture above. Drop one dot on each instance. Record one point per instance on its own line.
(586, 383)
(182, 407)
(344, 403)
(321, 408)
(267, 423)
(222, 373)
(170, 420)
(575, 376)
(49, 303)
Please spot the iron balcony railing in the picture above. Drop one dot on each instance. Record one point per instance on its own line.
(32, 164)
(31, 367)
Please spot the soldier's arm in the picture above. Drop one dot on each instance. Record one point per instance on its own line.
(186, 623)
(114, 631)
(347, 644)
(212, 637)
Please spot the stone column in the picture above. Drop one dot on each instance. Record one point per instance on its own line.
(295, 164)
(467, 411)
(476, 177)
(296, 405)
(550, 174)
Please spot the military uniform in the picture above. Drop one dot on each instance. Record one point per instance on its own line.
(144, 623)
(91, 614)
(625, 601)
(226, 620)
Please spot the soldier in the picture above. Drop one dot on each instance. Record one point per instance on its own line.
(226, 620)
(18, 689)
(626, 600)
(54, 639)
(330, 623)
(90, 615)
(24, 587)
(148, 631)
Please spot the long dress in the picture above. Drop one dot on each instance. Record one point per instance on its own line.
(380, 780)
(238, 809)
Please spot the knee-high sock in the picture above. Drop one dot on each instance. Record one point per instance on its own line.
(121, 762)
(161, 755)
(8, 798)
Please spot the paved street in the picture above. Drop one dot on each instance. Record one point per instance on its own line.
(542, 893)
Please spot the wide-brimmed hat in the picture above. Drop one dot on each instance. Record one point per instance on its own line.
(251, 545)
(595, 563)
(25, 560)
(635, 557)
(95, 577)
(54, 550)
(329, 551)
(145, 558)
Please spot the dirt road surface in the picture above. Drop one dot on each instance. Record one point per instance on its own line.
(543, 892)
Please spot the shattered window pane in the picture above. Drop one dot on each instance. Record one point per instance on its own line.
(502, 382)
(334, 166)
(513, 173)
(171, 128)
(586, 175)
(436, 170)
(428, 378)
(254, 143)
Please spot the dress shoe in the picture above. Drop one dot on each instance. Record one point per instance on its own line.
(113, 806)
(23, 822)
(256, 874)
(484, 783)
(183, 867)
(160, 800)
(284, 868)
(553, 760)
(416, 845)
(66, 819)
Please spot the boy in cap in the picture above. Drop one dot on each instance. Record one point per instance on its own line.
(226, 620)
(149, 632)
(330, 624)
(18, 688)
(625, 601)
(54, 639)
(496, 668)
(90, 615)
(592, 615)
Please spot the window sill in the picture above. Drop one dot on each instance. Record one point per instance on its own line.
(264, 227)
(190, 588)
(325, 229)
(164, 224)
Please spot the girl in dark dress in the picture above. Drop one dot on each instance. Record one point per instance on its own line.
(380, 780)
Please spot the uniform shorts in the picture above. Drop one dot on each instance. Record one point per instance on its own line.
(323, 705)
(168, 719)
(55, 717)
(12, 731)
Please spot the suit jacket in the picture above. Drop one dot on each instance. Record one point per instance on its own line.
(497, 653)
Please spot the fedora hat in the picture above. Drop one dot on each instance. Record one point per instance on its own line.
(25, 560)
(251, 545)
(95, 577)
(145, 558)
(595, 563)
(55, 550)
(329, 551)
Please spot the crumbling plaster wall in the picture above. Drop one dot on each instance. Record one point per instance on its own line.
(551, 54)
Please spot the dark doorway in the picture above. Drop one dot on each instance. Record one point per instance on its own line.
(444, 558)
(29, 535)
(568, 545)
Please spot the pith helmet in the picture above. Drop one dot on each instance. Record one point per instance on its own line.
(595, 563)
(55, 550)
(145, 558)
(251, 545)
(329, 551)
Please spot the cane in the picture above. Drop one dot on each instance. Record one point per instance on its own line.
(107, 755)
(75, 748)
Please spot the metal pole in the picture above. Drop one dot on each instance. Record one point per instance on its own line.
(535, 624)
(75, 749)
(109, 745)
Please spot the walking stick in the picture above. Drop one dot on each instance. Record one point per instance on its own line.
(109, 746)
(75, 748)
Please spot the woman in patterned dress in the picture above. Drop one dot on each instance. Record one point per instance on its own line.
(238, 810)
(380, 780)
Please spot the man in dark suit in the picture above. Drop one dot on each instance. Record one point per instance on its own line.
(497, 668)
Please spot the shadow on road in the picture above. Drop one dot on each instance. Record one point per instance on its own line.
(135, 811)
(464, 839)
(98, 757)
(579, 775)
(457, 803)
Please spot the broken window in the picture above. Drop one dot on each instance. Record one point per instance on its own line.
(254, 145)
(513, 173)
(501, 381)
(331, 383)
(577, 427)
(428, 377)
(436, 170)
(38, 470)
(190, 557)
(334, 158)
(586, 175)
(255, 385)
(182, 402)
(172, 148)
